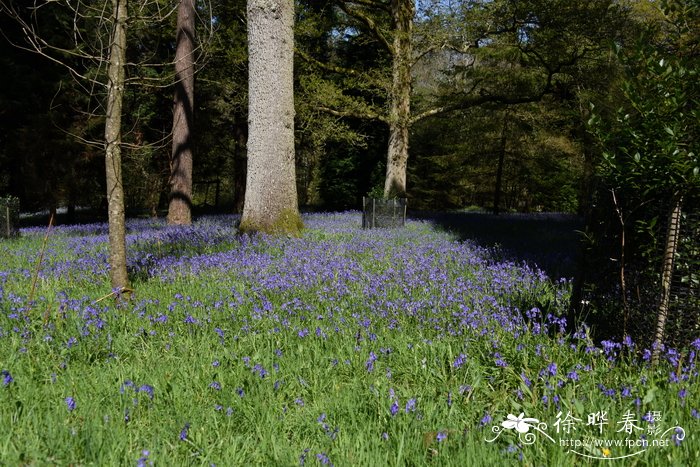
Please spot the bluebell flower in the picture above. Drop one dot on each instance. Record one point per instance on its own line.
(70, 403)
(411, 405)
(441, 436)
(323, 458)
(6, 377)
(183, 432)
(394, 409)
(143, 460)
(147, 389)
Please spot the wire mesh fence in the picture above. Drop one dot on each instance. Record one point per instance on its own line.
(383, 213)
(9, 217)
(623, 276)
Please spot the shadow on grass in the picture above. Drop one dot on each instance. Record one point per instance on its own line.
(548, 240)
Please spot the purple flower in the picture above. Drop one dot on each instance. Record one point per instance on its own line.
(258, 368)
(459, 361)
(302, 457)
(215, 385)
(147, 389)
(70, 403)
(411, 405)
(441, 436)
(183, 432)
(678, 436)
(369, 364)
(323, 458)
(394, 408)
(552, 369)
(486, 419)
(6, 377)
(240, 392)
(143, 460)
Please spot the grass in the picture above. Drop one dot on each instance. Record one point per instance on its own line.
(343, 346)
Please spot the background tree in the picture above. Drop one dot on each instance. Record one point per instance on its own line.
(650, 163)
(180, 208)
(271, 203)
(541, 42)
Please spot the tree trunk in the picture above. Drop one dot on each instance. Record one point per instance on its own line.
(180, 208)
(671, 246)
(498, 189)
(400, 99)
(240, 162)
(271, 203)
(113, 158)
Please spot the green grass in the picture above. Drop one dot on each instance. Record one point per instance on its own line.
(322, 394)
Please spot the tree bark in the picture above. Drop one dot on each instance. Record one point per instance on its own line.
(240, 163)
(113, 158)
(271, 203)
(498, 189)
(180, 207)
(671, 246)
(402, 12)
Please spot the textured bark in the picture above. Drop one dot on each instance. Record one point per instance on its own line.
(402, 12)
(113, 158)
(271, 194)
(180, 208)
(672, 235)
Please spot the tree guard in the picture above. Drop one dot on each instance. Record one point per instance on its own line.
(383, 213)
(9, 217)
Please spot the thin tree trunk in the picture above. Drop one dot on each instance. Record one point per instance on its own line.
(240, 162)
(672, 234)
(501, 162)
(113, 158)
(180, 208)
(400, 98)
(271, 203)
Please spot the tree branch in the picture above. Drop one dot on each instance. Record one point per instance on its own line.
(326, 66)
(353, 114)
(369, 22)
(373, 4)
(480, 99)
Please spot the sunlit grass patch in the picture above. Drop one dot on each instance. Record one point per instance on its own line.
(343, 346)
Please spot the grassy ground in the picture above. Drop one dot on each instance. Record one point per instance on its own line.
(344, 347)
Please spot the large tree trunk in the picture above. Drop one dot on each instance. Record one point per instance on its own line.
(271, 203)
(180, 208)
(400, 98)
(672, 234)
(113, 157)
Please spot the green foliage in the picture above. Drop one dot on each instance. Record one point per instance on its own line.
(650, 158)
